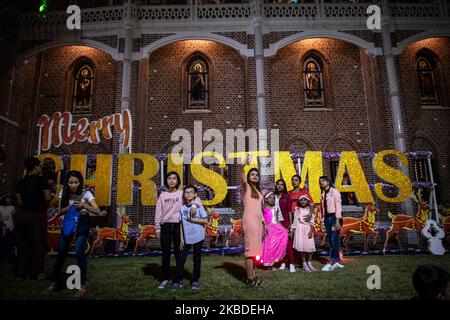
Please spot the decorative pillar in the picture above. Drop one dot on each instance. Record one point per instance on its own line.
(260, 91)
(128, 27)
(394, 94)
(128, 31)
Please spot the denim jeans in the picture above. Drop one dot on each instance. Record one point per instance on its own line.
(330, 221)
(80, 247)
(197, 248)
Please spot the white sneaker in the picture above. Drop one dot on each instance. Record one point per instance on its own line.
(163, 284)
(283, 266)
(327, 267)
(338, 265)
(311, 267)
(306, 268)
(291, 268)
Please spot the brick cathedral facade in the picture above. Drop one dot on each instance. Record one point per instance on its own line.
(356, 114)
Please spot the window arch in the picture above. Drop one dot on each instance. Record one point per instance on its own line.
(198, 83)
(313, 82)
(83, 84)
(426, 74)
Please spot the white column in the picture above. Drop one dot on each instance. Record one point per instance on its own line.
(320, 7)
(433, 192)
(260, 91)
(443, 8)
(394, 94)
(128, 27)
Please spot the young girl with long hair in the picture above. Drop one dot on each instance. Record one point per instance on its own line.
(74, 196)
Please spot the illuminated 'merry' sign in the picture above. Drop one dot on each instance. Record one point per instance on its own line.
(59, 128)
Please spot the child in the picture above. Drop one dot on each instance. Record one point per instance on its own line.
(7, 212)
(275, 241)
(431, 283)
(167, 222)
(192, 234)
(303, 237)
(331, 204)
(75, 196)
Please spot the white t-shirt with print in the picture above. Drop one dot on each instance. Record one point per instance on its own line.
(7, 213)
(87, 198)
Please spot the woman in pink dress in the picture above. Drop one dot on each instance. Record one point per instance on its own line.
(276, 238)
(252, 223)
(303, 237)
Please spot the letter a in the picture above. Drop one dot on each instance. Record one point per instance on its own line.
(74, 20)
(74, 280)
(374, 281)
(374, 20)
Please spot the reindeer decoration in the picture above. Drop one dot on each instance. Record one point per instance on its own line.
(365, 225)
(118, 234)
(403, 222)
(212, 228)
(236, 229)
(145, 233)
(54, 224)
(446, 223)
(318, 229)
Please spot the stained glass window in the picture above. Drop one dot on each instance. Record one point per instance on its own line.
(313, 83)
(83, 85)
(427, 81)
(197, 84)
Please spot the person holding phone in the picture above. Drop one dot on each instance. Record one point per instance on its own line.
(75, 196)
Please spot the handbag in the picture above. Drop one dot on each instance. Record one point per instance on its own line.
(70, 221)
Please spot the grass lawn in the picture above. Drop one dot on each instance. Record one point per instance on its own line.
(138, 278)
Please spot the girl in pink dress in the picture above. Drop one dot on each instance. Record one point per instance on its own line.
(276, 236)
(302, 223)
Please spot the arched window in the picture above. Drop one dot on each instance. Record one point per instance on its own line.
(427, 80)
(83, 74)
(313, 82)
(197, 94)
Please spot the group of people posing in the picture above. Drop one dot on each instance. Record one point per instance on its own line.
(275, 223)
(278, 223)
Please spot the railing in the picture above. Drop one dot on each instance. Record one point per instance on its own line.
(178, 12)
(241, 11)
(308, 10)
(224, 11)
(344, 10)
(415, 10)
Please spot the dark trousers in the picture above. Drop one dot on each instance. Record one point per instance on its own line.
(80, 247)
(170, 232)
(197, 248)
(330, 220)
(9, 244)
(31, 236)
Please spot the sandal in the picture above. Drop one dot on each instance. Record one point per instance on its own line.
(257, 282)
(52, 287)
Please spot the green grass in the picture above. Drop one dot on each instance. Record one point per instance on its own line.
(138, 278)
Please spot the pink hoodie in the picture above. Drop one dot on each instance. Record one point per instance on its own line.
(169, 205)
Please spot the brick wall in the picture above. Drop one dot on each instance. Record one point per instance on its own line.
(428, 129)
(356, 90)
